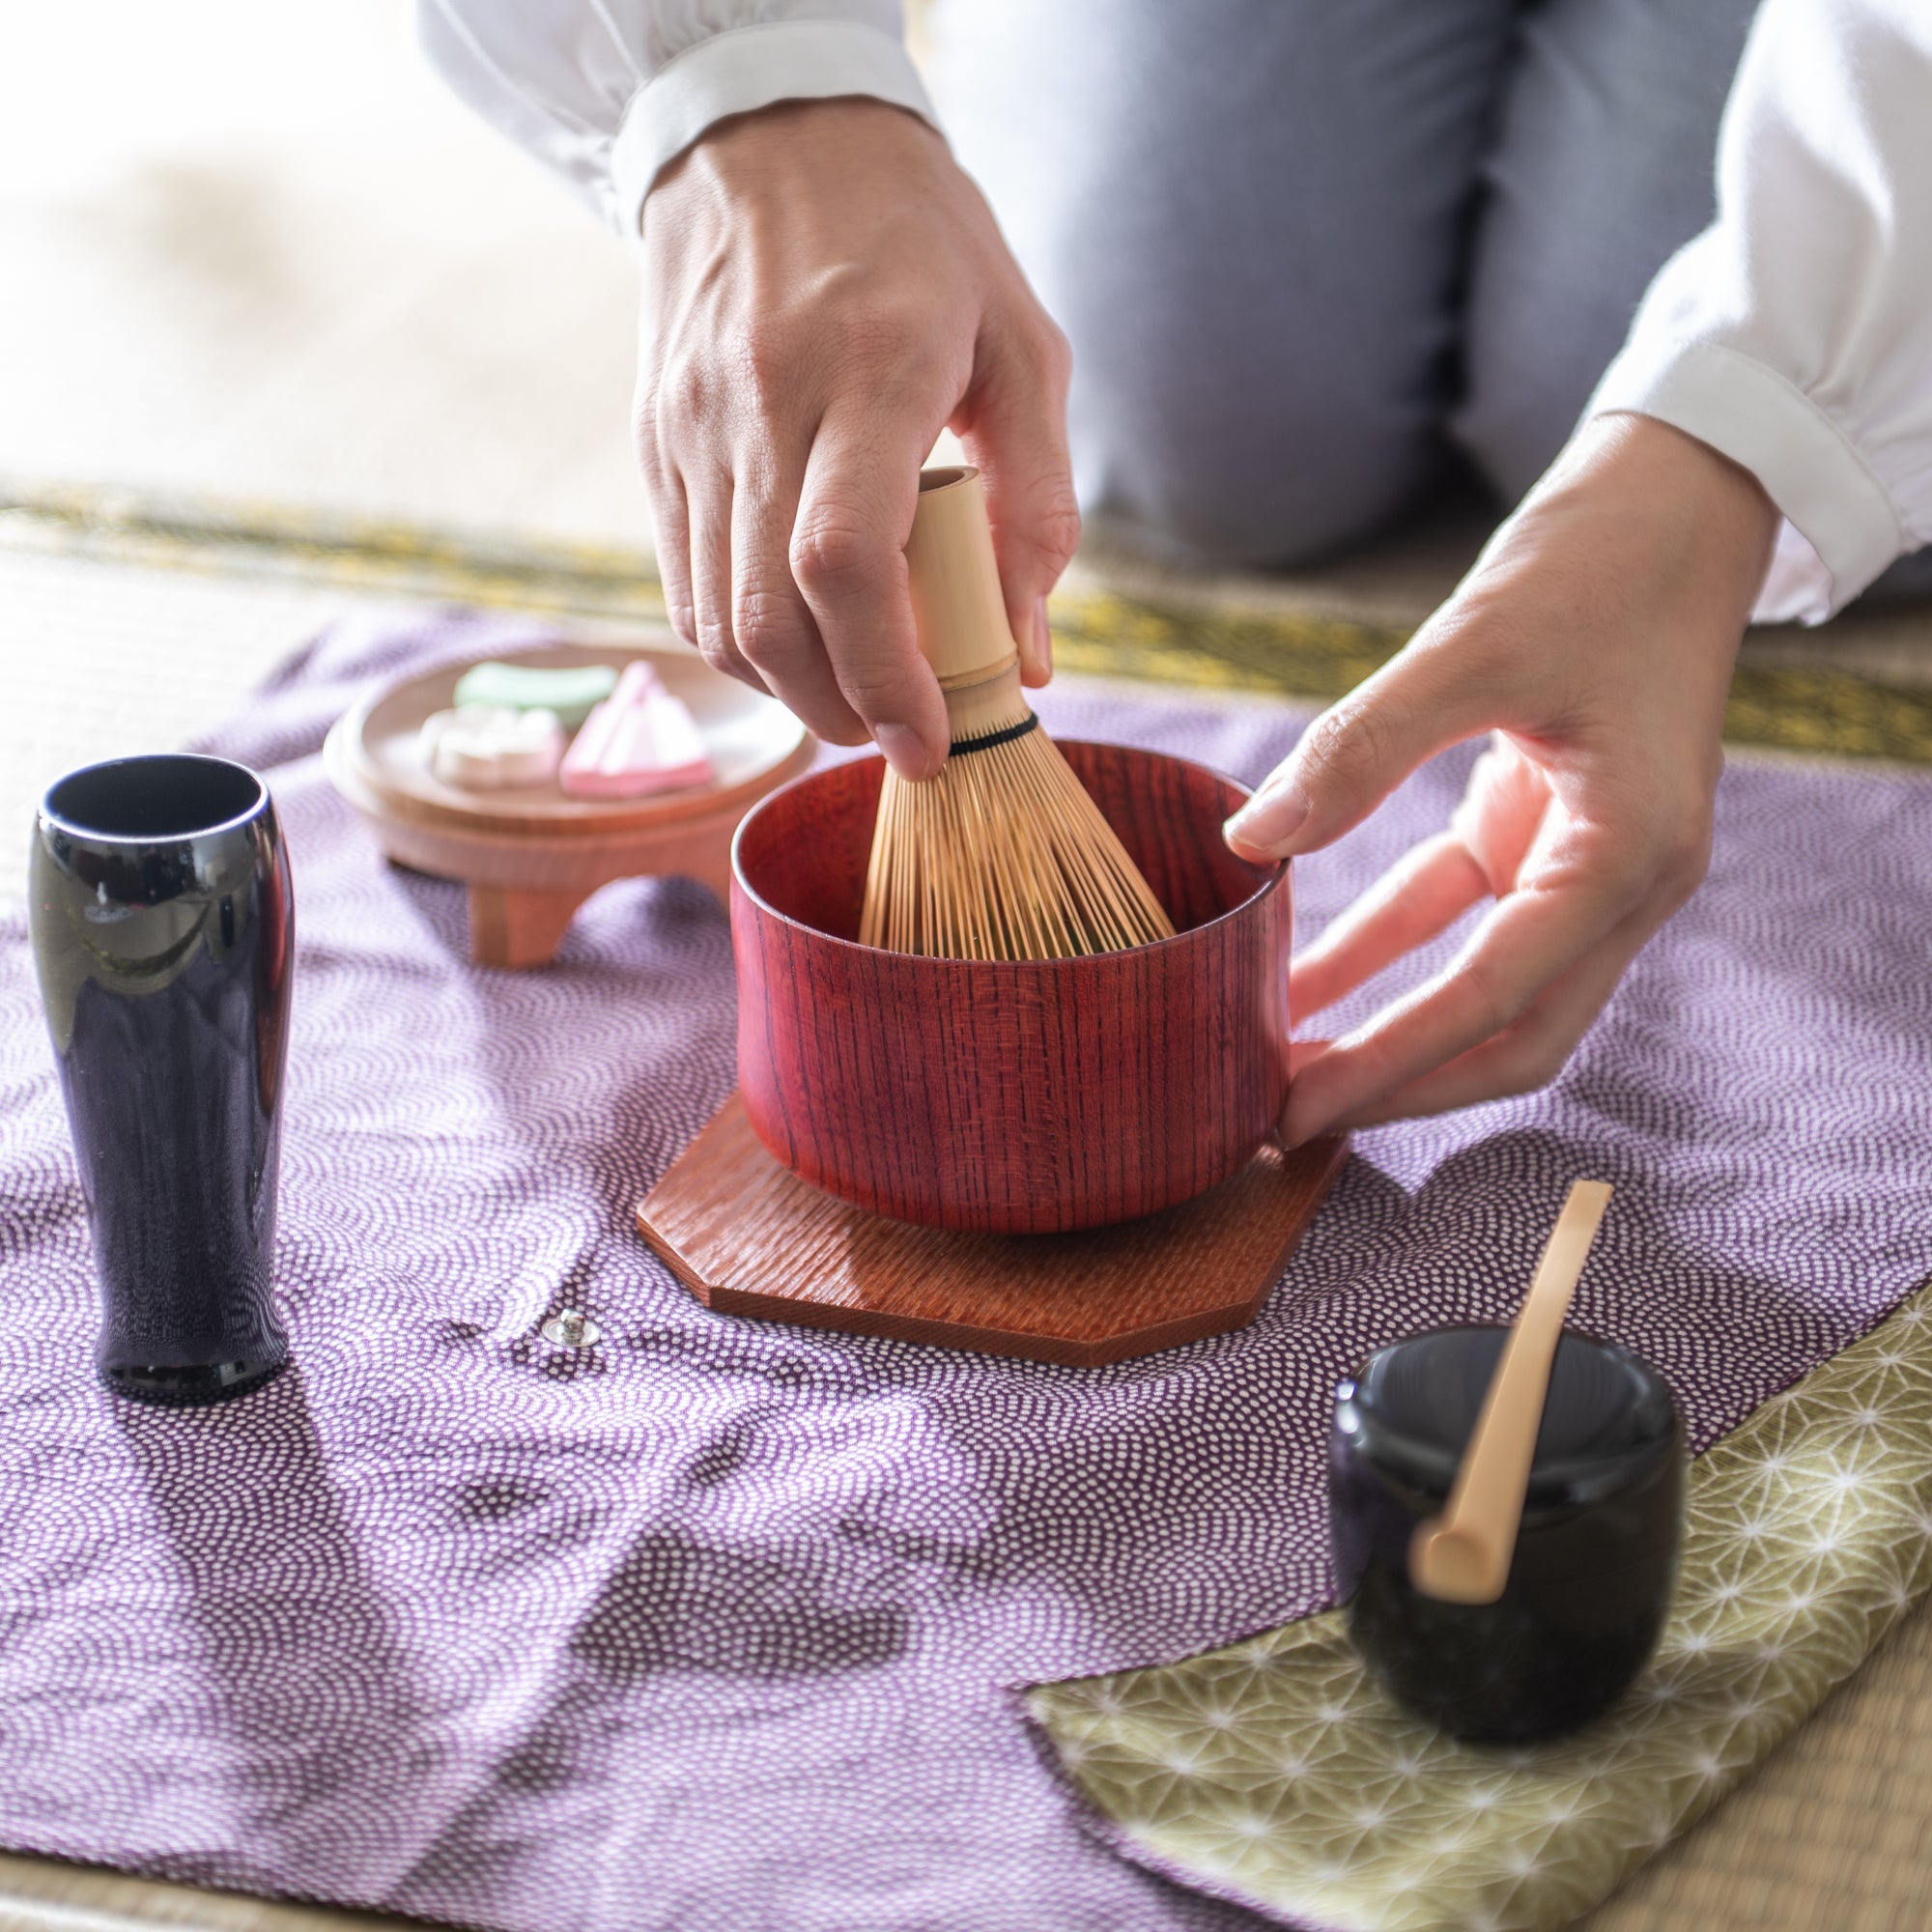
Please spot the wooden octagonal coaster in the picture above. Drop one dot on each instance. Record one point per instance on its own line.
(746, 1236)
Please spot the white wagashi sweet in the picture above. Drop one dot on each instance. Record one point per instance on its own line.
(640, 740)
(490, 747)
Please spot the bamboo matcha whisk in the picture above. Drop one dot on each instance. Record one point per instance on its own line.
(1002, 855)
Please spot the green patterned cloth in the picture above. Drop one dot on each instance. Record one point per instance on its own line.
(1277, 1773)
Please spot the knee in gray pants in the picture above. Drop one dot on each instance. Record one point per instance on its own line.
(1252, 219)
(1248, 216)
(1190, 441)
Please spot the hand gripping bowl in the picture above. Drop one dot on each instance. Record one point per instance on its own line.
(1011, 1096)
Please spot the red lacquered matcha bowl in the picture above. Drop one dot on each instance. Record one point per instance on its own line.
(1011, 1098)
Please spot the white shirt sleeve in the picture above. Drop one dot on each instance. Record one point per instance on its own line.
(1794, 334)
(608, 91)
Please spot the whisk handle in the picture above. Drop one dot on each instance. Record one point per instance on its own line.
(958, 607)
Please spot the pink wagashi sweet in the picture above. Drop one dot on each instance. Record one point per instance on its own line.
(640, 740)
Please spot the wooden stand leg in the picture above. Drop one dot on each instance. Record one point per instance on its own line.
(513, 925)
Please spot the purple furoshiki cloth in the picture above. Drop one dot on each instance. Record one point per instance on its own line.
(716, 1625)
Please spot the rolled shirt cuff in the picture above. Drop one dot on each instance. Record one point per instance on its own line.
(747, 68)
(1841, 526)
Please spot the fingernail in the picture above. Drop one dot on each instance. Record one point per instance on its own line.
(1042, 640)
(1269, 819)
(905, 751)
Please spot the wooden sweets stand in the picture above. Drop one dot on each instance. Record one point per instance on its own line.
(531, 857)
(747, 1236)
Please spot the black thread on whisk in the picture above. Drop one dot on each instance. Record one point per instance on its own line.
(1004, 736)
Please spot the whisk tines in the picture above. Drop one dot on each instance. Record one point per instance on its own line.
(1003, 855)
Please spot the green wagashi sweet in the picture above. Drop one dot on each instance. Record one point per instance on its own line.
(569, 691)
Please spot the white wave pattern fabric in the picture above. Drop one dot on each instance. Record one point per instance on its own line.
(716, 1625)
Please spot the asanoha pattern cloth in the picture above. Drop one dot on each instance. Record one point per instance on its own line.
(715, 1625)
(1278, 1771)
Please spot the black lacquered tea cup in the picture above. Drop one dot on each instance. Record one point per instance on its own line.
(1596, 1557)
(163, 932)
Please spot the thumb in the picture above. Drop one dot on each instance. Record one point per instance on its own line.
(1014, 425)
(1357, 752)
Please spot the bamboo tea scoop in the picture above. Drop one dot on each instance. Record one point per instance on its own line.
(1463, 1556)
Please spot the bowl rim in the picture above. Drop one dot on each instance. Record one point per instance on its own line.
(739, 883)
(60, 819)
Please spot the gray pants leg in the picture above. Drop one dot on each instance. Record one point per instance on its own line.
(1602, 168)
(1250, 217)
(1257, 220)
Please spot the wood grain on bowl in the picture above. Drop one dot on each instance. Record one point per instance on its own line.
(1007, 1096)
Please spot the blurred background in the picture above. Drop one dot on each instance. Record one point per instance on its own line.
(259, 252)
(280, 324)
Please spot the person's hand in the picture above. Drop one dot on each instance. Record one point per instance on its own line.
(1595, 638)
(825, 292)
